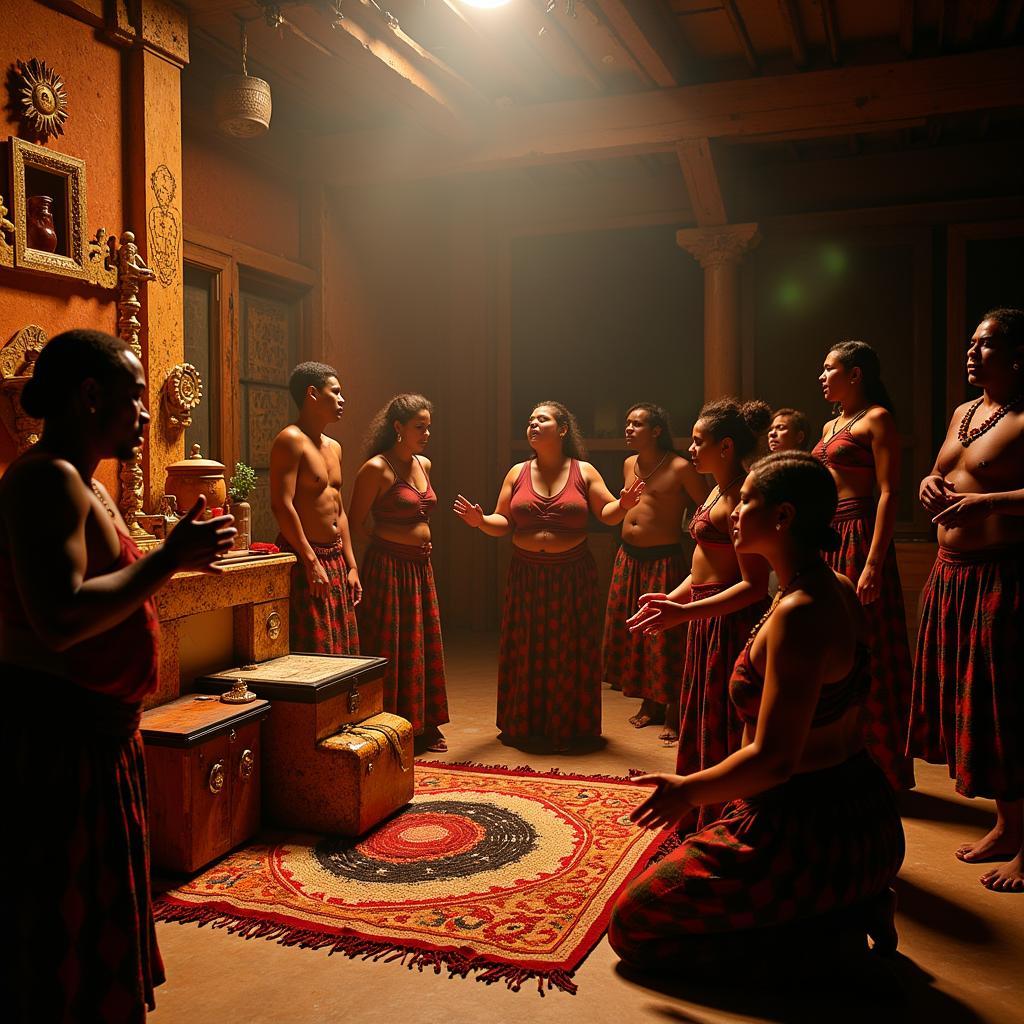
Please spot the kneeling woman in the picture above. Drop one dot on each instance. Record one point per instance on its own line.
(812, 840)
(549, 671)
(399, 617)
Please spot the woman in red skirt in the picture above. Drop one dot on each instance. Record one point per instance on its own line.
(399, 618)
(549, 675)
(799, 867)
(723, 595)
(861, 449)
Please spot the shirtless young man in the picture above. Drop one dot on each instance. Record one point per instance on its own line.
(305, 494)
(650, 560)
(968, 706)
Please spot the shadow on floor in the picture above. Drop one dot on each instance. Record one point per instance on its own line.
(927, 806)
(935, 911)
(886, 992)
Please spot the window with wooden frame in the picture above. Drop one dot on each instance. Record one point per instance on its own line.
(246, 327)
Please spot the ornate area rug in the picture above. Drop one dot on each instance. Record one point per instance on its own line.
(505, 873)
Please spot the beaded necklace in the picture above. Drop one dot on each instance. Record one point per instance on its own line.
(779, 595)
(967, 437)
(103, 501)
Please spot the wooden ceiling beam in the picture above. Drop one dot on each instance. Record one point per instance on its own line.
(794, 31)
(831, 25)
(850, 99)
(739, 27)
(644, 32)
(698, 167)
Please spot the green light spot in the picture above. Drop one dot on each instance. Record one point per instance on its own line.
(833, 259)
(791, 294)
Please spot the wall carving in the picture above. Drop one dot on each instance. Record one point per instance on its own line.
(164, 226)
(182, 393)
(719, 246)
(267, 413)
(6, 237)
(267, 341)
(17, 364)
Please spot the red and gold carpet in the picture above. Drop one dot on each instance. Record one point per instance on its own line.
(502, 872)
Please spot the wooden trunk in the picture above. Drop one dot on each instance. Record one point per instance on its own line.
(203, 769)
(326, 768)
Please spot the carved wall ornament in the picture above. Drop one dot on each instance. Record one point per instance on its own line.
(76, 256)
(182, 392)
(17, 364)
(6, 237)
(43, 98)
(164, 226)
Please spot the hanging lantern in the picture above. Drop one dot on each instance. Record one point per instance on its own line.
(242, 103)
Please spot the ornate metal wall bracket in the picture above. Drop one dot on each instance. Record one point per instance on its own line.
(17, 363)
(182, 393)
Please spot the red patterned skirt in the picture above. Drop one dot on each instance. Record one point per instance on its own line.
(549, 680)
(887, 708)
(968, 709)
(766, 875)
(643, 666)
(77, 858)
(709, 727)
(399, 619)
(322, 625)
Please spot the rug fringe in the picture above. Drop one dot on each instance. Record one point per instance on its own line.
(457, 963)
(525, 769)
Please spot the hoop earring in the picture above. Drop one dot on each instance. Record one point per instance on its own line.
(398, 438)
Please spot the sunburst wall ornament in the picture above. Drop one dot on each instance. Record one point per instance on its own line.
(44, 99)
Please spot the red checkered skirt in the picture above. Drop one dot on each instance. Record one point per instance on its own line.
(886, 714)
(709, 727)
(797, 853)
(322, 625)
(643, 666)
(968, 708)
(399, 619)
(77, 859)
(549, 683)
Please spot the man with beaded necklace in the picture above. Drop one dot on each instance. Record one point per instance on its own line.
(968, 706)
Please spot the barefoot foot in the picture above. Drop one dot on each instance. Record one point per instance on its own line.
(668, 736)
(995, 845)
(1008, 877)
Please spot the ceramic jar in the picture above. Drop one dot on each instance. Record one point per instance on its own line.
(39, 230)
(191, 477)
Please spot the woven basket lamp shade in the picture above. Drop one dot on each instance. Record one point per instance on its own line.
(241, 103)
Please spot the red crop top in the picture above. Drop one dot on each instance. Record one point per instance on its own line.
(746, 686)
(401, 504)
(843, 450)
(704, 532)
(120, 662)
(564, 512)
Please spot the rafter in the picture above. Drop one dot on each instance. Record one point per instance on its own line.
(642, 29)
(739, 27)
(794, 31)
(831, 26)
(609, 126)
(698, 167)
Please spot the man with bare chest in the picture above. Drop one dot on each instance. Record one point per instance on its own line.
(968, 707)
(650, 560)
(305, 494)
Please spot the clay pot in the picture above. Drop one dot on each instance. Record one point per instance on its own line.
(242, 511)
(39, 230)
(193, 476)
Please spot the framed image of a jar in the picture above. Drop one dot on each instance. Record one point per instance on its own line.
(48, 201)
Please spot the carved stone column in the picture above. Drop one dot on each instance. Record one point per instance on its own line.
(719, 251)
(157, 32)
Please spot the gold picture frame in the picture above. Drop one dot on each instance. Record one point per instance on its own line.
(35, 172)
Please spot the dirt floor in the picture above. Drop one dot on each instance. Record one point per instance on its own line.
(961, 946)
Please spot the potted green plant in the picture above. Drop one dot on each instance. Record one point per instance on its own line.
(243, 483)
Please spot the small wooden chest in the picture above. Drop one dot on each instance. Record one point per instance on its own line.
(203, 768)
(327, 769)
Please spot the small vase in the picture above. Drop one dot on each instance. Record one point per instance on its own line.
(242, 511)
(39, 230)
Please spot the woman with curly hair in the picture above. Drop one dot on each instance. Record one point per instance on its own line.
(798, 869)
(723, 595)
(399, 618)
(861, 449)
(549, 681)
